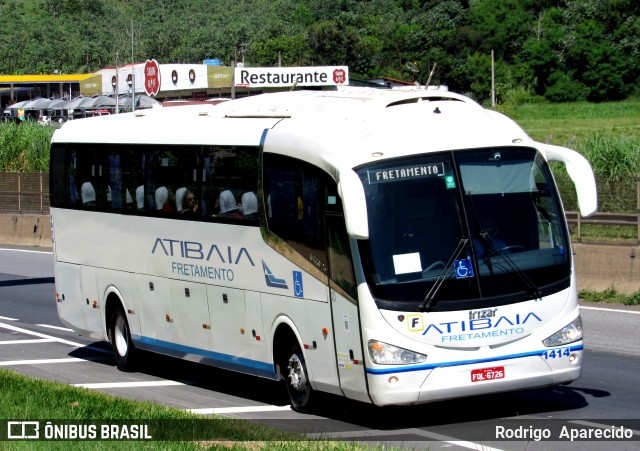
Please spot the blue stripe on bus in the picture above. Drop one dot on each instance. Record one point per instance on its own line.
(464, 362)
(216, 359)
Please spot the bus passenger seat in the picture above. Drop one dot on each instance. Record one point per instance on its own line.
(162, 194)
(249, 203)
(180, 198)
(228, 205)
(128, 199)
(88, 194)
(140, 197)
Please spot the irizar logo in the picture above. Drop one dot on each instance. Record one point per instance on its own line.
(479, 314)
(273, 281)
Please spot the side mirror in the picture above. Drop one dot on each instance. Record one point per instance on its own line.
(351, 192)
(581, 174)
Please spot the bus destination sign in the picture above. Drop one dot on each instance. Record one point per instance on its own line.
(404, 173)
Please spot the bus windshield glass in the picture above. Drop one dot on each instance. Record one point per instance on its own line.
(463, 229)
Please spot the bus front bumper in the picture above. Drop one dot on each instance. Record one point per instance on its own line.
(416, 386)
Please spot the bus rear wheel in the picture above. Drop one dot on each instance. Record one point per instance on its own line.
(297, 380)
(123, 349)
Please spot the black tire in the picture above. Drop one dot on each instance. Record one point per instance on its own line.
(296, 378)
(123, 349)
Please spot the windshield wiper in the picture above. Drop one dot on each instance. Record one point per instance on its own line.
(429, 301)
(531, 287)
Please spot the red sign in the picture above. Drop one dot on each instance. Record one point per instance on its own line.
(339, 76)
(151, 77)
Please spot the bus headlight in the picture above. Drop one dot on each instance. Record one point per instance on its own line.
(386, 354)
(568, 334)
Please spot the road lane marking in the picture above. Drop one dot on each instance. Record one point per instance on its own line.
(28, 251)
(56, 339)
(96, 385)
(26, 342)
(634, 312)
(238, 409)
(5, 318)
(48, 326)
(45, 361)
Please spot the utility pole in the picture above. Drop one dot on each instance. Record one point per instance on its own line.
(117, 87)
(493, 81)
(133, 76)
(233, 74)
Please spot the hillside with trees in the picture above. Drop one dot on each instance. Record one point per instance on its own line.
(560, 50)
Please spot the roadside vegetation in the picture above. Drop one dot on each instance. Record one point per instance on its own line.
(24, 147)
(23, 398)
(610, 296)
(563, 51)
(607, 134)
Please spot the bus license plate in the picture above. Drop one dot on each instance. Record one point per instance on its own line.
(487, 374)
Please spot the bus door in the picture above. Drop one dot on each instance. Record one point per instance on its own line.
(344, 310)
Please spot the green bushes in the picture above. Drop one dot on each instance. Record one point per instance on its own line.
(607, 134)
(24, 147)
(616, 162)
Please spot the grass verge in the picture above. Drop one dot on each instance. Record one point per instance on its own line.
(24, 398)
(610, 296)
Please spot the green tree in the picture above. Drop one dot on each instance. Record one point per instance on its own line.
(502, 25)
(597, 62)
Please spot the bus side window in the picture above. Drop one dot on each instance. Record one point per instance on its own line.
(230, 180)
(64, 192)
(295, 193)
(162, 180)
(341, 265)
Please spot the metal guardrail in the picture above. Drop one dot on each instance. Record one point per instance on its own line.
(622, 219)
(574, 218)
(24, 193)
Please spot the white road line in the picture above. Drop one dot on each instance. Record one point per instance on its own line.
(634, 312)
(55, 327)
(44, 361)
(58, 340)
(239, 409)
(5, 318)
(130, 384)
(25, 250)
(27, 342)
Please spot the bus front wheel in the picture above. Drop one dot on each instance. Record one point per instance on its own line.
(297, 380)
(123, 349)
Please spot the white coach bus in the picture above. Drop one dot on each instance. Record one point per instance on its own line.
(392, 247)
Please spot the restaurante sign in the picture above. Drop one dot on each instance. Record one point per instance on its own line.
(258, 77)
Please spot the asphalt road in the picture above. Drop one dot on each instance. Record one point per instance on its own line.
(34, 342)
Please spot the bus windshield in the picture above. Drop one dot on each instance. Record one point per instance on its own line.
(463, 229)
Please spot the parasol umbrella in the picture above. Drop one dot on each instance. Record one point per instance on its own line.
(37, 104)
(101, 102)
(18, 105)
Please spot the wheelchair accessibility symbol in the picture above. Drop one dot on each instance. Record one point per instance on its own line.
(464, 268)
(298, 289)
